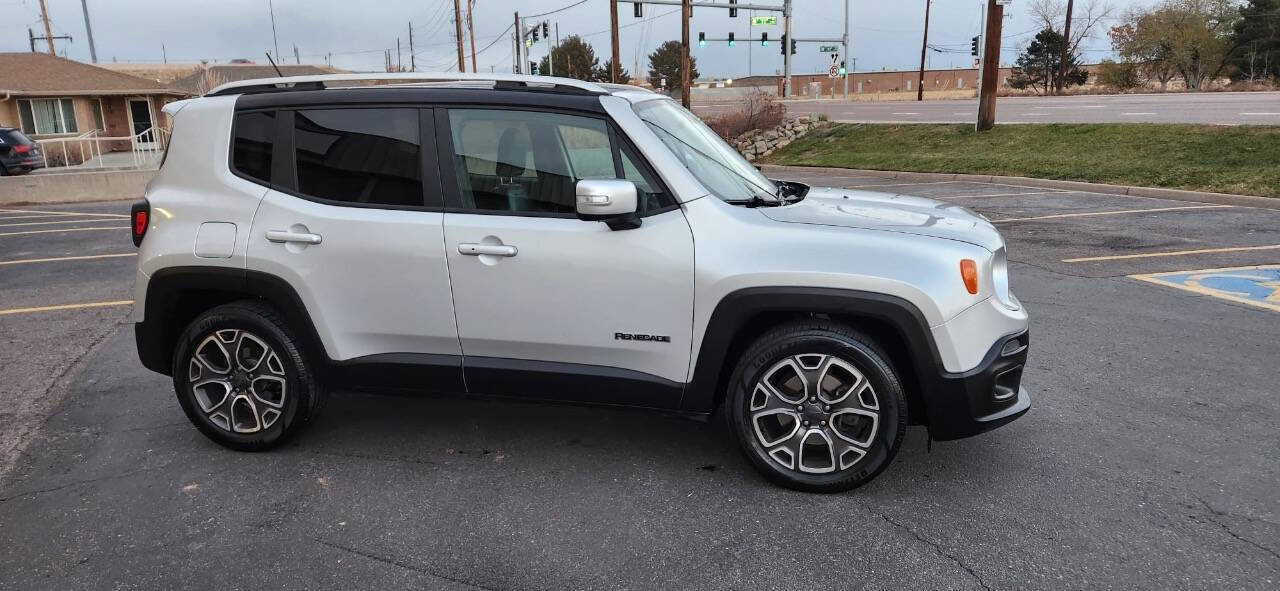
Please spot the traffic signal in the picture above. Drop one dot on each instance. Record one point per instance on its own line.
(702, 39)
(535, 34)
(533, 68)
(764, 39)
(843, 71)
(733, 11)
(730, 39)
(638, 9)
(783, 50)
(546, 30)
(973, 46)
(793, 47)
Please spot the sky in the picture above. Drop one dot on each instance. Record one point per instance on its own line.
(354, 34)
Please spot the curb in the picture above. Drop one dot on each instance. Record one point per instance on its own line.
(1150, 192)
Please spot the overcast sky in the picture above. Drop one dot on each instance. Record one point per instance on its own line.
(884, 34)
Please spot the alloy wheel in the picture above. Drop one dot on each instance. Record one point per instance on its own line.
(238, 381)
(814, 413)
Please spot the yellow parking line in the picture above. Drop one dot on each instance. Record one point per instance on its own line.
(75, 258)
(1170, 254)
(101, 215)
(64, 307)
(52, 223)
(63, 230)
(1115, 212)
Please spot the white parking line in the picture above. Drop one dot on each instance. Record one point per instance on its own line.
(1135, 114)
(904, 113)
(52, 223)
(63, 230)
(101, 215)
(1115, 212)
(65, 307)
(1261, 114)
(946, 197)
(901, 184)
(1175, 253)
(75, 258)
(31, 217)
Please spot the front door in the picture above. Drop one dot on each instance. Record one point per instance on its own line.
(573, 310)
(357, 232)
(139, 117)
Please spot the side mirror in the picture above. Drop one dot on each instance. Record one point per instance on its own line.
(611, 201)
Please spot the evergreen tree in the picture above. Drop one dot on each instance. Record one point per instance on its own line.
(1037, 66)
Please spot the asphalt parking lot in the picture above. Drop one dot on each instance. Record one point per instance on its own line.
(1150, 458)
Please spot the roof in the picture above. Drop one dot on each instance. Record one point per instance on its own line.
(41, 74)
(214, 76)
(290, 83)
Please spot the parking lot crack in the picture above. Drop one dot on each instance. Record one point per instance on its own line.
(401, 564)
(935, 546)
(1215, 516)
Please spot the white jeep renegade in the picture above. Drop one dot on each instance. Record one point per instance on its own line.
(547, 238)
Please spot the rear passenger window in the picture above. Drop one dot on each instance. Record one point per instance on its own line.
(359, 156)
(252, 144)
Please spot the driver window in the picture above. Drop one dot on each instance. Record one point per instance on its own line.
(531, 162)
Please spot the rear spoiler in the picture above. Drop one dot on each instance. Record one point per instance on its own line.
(171, 109)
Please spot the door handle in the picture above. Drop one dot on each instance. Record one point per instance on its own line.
(299, 237)
(498, 250)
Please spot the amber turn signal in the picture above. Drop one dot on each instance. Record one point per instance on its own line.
(969, 273)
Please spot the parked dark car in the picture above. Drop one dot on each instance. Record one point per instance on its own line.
(18, 154)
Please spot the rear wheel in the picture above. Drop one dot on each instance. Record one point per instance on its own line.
(243, 379)
(817, 407)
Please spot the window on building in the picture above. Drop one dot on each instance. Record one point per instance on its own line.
(47, 116)
(360, 156)
(252, 145)
(99, 118)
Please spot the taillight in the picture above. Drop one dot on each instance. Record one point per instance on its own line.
(140, 213)
(969, 274)
(22, 149)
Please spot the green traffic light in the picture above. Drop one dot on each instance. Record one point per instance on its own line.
(731, 43)
(702, 43)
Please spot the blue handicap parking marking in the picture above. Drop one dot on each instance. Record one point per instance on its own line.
(1258, 286)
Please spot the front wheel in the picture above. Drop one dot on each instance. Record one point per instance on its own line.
(243, 379)
(817, 407)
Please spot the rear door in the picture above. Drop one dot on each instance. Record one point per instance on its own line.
(353, 222)
(576, 311)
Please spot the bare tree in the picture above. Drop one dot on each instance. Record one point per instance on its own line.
(1051, 14)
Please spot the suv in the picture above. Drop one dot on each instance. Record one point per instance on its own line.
(18, 154)
(546, 238)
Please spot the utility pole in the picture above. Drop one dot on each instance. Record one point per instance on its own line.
(519, 45)
(847, 70)
(88, 31)
(399, 68)
(990, 66)
(48, 32)
(457, 26)
(613, 35)
(686, 11)
(471, 34)
(1066, 50)
(297, 59)
(413, 64)
(275, 42)
(924, 47)
(787, 85)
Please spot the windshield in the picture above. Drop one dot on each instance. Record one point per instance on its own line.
(719, 167)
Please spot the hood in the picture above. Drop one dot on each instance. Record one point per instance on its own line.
(886, 211)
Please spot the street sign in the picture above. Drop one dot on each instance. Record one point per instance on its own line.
(833, 71)
(762, 21)
(829, 48)
(1004, 2)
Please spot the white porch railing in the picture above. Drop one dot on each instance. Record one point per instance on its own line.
(145, 149)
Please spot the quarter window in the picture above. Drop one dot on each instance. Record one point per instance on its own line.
(253, 143)
(359, 156)
(521, 161)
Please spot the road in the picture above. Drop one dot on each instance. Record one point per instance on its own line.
(1148, 460)
(1218, 108)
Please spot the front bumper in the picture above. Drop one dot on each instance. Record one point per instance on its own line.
(979, 400)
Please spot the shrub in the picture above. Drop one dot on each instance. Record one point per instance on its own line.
(760, 110)
(1119, 76)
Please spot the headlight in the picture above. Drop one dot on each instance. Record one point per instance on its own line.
(1000, 279)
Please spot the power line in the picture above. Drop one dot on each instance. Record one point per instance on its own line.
(561, 9)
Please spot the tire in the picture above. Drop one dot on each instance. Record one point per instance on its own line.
(237, 407)
(3, 171)
(849, 394)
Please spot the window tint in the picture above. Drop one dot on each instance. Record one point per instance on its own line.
(522, 161)
(369, 156)
(252, 144)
